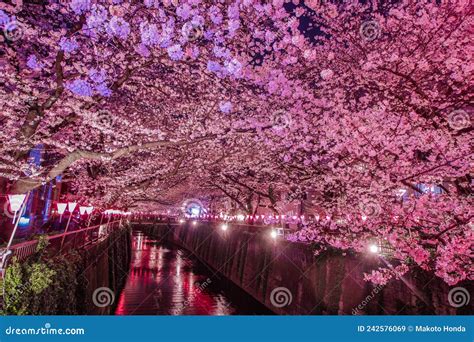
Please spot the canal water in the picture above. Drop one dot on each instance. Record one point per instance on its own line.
(167, 280)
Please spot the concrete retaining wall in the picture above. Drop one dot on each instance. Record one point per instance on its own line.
(105, 264)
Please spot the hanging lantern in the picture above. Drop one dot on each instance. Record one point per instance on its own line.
(61, 208)
(15, 202)
(71, 206)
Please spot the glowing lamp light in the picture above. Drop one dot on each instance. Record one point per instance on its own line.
(194, 223)
(82, 210)
(15, 202)
(317, 217)
(273, 234)
(89, 210)
(374, 249)
(364, 218)
(224, 227)
(61, 208)
(195, 211)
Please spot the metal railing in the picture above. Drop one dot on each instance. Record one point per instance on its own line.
(64, 242)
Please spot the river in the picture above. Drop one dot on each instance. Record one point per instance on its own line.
(167, 280)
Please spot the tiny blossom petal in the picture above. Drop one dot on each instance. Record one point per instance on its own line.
(80, 6)
(68, 45)
(97, 16)
(215, 15)
(327, 74)
(4, 19)
(97, 76)
(175, 52)
(103, 90)
(118, 27)
(225, 107)
(80, 87)
(213, 66)
(184, 11)
(33, 63)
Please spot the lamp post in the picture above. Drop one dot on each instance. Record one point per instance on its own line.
(61, 208)
(70, 206)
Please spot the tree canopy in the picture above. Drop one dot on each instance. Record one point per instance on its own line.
(367, 107)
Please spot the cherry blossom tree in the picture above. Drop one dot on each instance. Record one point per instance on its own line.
(367, 107)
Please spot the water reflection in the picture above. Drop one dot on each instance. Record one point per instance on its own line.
(167, 280)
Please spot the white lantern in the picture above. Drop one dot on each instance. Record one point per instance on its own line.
(15, 202)
(71, 206)
(61, 208)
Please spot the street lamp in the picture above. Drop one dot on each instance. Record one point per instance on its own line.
(224, 227)
(374, 249)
